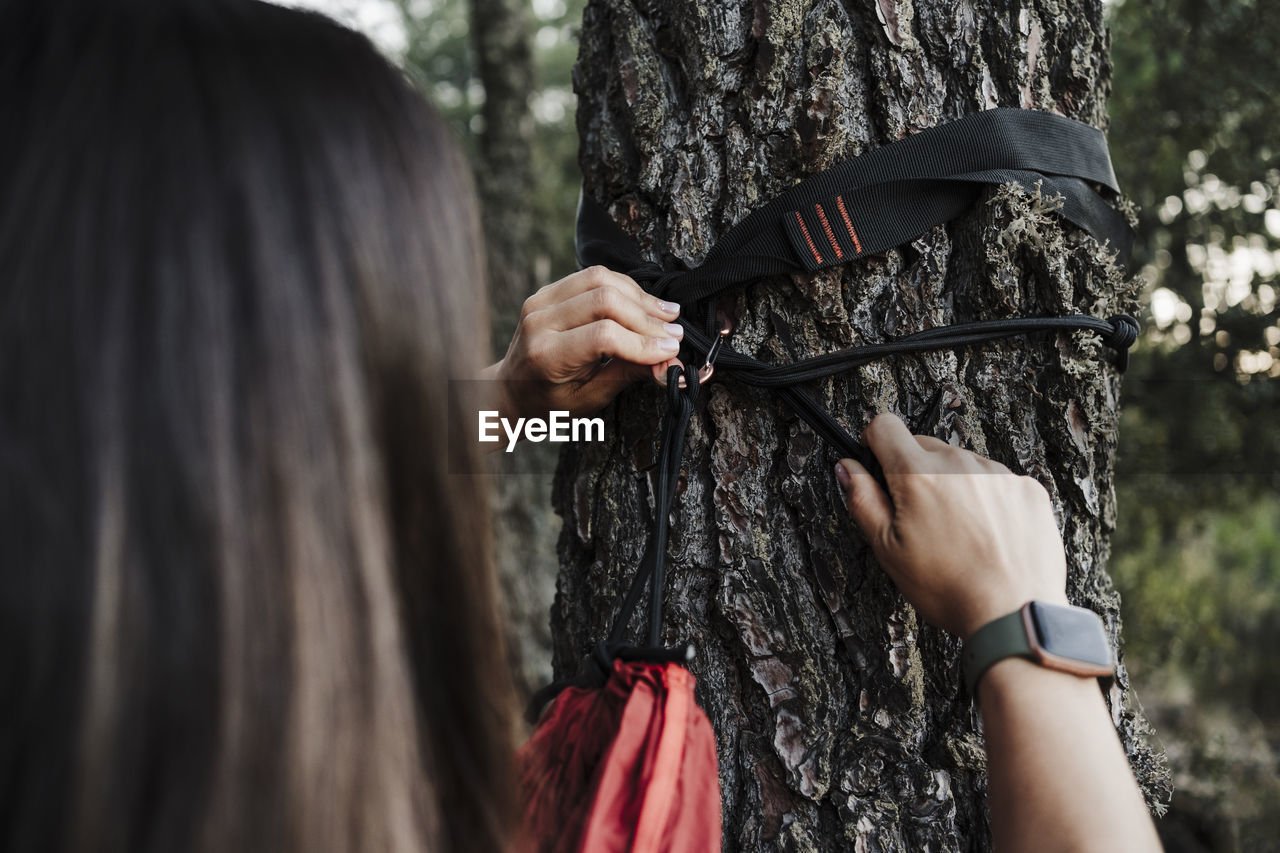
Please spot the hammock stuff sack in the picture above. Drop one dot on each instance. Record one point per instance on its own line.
(623, 758)
(627, 766)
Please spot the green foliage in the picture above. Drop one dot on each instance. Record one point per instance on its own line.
(1201, 586)
(1202, 594)
(439, 57)
(1195, 136)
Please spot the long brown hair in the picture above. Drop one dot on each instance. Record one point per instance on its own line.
(246, 604)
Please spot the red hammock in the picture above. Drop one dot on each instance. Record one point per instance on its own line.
(630, 766)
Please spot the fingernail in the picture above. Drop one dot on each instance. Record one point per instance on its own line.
(668, 307)
(675, 330)
(668, 345)
(843, 477)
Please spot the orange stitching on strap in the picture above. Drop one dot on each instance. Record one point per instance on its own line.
(844, 214)
(831, 235)
(805, 230)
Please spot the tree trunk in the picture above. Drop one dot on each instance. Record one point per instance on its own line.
(525, 524)
(842, 722)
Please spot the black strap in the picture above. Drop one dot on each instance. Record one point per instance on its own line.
(885, 198)
(866, 205)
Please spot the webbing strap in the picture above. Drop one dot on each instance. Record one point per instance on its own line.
(866, 205)
(885, 198)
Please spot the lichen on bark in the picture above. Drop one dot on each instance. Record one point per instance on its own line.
(841, 719)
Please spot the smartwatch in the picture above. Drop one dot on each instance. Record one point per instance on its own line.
(1056, 636)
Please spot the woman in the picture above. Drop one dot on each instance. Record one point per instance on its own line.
(240, 266)
(247, 604)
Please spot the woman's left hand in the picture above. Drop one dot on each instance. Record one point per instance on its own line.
(580, 341)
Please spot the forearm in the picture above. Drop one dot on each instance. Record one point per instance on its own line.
(1059, 779)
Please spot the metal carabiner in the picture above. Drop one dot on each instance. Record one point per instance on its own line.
(708, 368)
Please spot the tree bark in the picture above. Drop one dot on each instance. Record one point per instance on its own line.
(525, 524)
(842, 722)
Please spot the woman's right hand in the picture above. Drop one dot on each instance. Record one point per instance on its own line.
(964, 539)
(580, 341)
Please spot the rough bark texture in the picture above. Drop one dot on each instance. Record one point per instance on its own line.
(841, 720)
(525, 525)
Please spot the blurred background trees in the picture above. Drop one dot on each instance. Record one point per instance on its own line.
(1195, 136)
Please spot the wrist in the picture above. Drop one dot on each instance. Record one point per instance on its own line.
(1002, 604)
(1015, 677)
(1055, 636)
(499, 394)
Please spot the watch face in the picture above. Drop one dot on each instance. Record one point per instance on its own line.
(1071, 633)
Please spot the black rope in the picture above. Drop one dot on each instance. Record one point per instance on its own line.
(595, 668)
(1118, 333)
(680, 404)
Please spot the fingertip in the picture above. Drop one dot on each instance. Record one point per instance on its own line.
(667, 346)
(668, 309)
(859, 475)
(843, 477)
(850, 468)
(885, 421)
(892, 443)
(659, 371)
(866, 501)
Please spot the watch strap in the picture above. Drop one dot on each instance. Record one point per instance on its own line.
(1002, 638)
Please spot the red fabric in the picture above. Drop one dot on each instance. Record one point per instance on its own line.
(628, 767)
